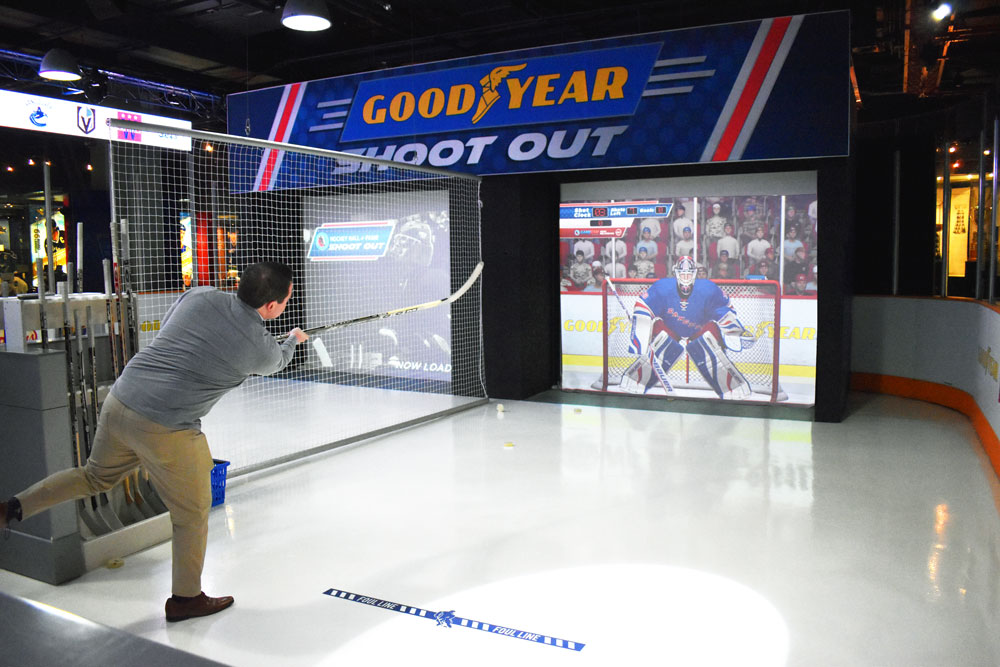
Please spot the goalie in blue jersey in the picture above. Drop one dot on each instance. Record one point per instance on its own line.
(685, 313)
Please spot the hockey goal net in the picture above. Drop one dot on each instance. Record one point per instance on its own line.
(758, 307)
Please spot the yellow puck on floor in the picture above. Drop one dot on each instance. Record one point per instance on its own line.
(508, 445)
(577, 411)
(499, 407)
(115, 563)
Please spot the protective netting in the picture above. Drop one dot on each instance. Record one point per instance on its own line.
(362, 237)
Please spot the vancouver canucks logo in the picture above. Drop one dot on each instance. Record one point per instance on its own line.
(38, 118)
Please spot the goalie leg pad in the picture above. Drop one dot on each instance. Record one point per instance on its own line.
(644, 372)
(717, 369)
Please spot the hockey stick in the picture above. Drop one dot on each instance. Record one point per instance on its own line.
(110, 315)
(660, 374)
(131, 331)
(399, 311)
(42, 316)
(97, 527)
(122, 308)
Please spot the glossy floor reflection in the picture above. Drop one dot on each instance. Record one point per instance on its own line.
(648, 537)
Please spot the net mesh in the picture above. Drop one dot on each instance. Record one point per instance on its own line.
(757, 306)
(362, 237)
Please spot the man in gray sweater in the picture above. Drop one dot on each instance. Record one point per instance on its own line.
(209, 342)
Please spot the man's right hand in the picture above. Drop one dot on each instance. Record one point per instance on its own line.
(300, 335)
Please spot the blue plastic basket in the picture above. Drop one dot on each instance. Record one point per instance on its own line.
(219, 482)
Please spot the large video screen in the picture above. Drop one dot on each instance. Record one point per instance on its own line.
(702, 287)
(373, 253)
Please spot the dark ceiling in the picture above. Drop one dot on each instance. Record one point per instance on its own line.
(218, 47)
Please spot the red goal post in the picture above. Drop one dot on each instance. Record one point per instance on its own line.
(758, 307)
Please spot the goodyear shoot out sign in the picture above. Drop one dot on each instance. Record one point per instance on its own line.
(767, 89)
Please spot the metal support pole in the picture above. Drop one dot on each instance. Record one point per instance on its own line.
(49, 254)
(993, 209)
(980, 208)
(896, 213)
(945, 218)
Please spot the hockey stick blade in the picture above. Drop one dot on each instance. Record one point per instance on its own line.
(399, 311)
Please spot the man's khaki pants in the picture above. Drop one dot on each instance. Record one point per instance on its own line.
(179, 464)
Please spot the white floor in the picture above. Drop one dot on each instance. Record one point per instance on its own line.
(647, 537)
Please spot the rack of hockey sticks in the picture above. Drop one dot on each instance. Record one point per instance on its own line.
(70, 314)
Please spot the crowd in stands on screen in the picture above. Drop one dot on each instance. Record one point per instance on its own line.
(685, 245)
(757, 248)
(586, 246)
(647, 243)
(799, 263)
(652, 224)
(791, 243)
(725, 269)
(597, 282)
(617, 268)
(614, 249)
(581, 272)
(800, 286)
(680, 222)
(727, 242)
(644, 266)
(715, 224)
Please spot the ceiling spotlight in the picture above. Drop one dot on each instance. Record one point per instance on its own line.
(305, 15)
(942, 12)
(59, 65)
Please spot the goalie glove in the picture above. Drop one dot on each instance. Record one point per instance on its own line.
(733, 334)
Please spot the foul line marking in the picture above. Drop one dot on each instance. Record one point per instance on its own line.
(448, 619)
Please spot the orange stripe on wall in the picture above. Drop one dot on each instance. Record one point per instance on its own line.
(941, 394)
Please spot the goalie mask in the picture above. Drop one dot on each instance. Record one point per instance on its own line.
(685, 270)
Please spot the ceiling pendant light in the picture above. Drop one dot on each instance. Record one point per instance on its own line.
(306, 15)
(59, 65)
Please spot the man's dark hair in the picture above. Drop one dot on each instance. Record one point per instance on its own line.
(264, 282)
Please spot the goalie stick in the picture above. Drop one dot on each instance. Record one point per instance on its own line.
(660, 374)
(399, 311)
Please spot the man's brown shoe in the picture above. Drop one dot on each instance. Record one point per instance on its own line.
(183, 609)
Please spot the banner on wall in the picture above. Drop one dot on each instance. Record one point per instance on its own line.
(79, 119)
(752, 90)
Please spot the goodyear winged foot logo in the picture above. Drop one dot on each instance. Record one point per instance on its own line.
(490, 84)
(557, 88)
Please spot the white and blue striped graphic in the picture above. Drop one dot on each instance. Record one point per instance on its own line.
(448, 619)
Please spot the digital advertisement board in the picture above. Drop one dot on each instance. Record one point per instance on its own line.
(753, 90)
(376, 253)
(80, 119)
